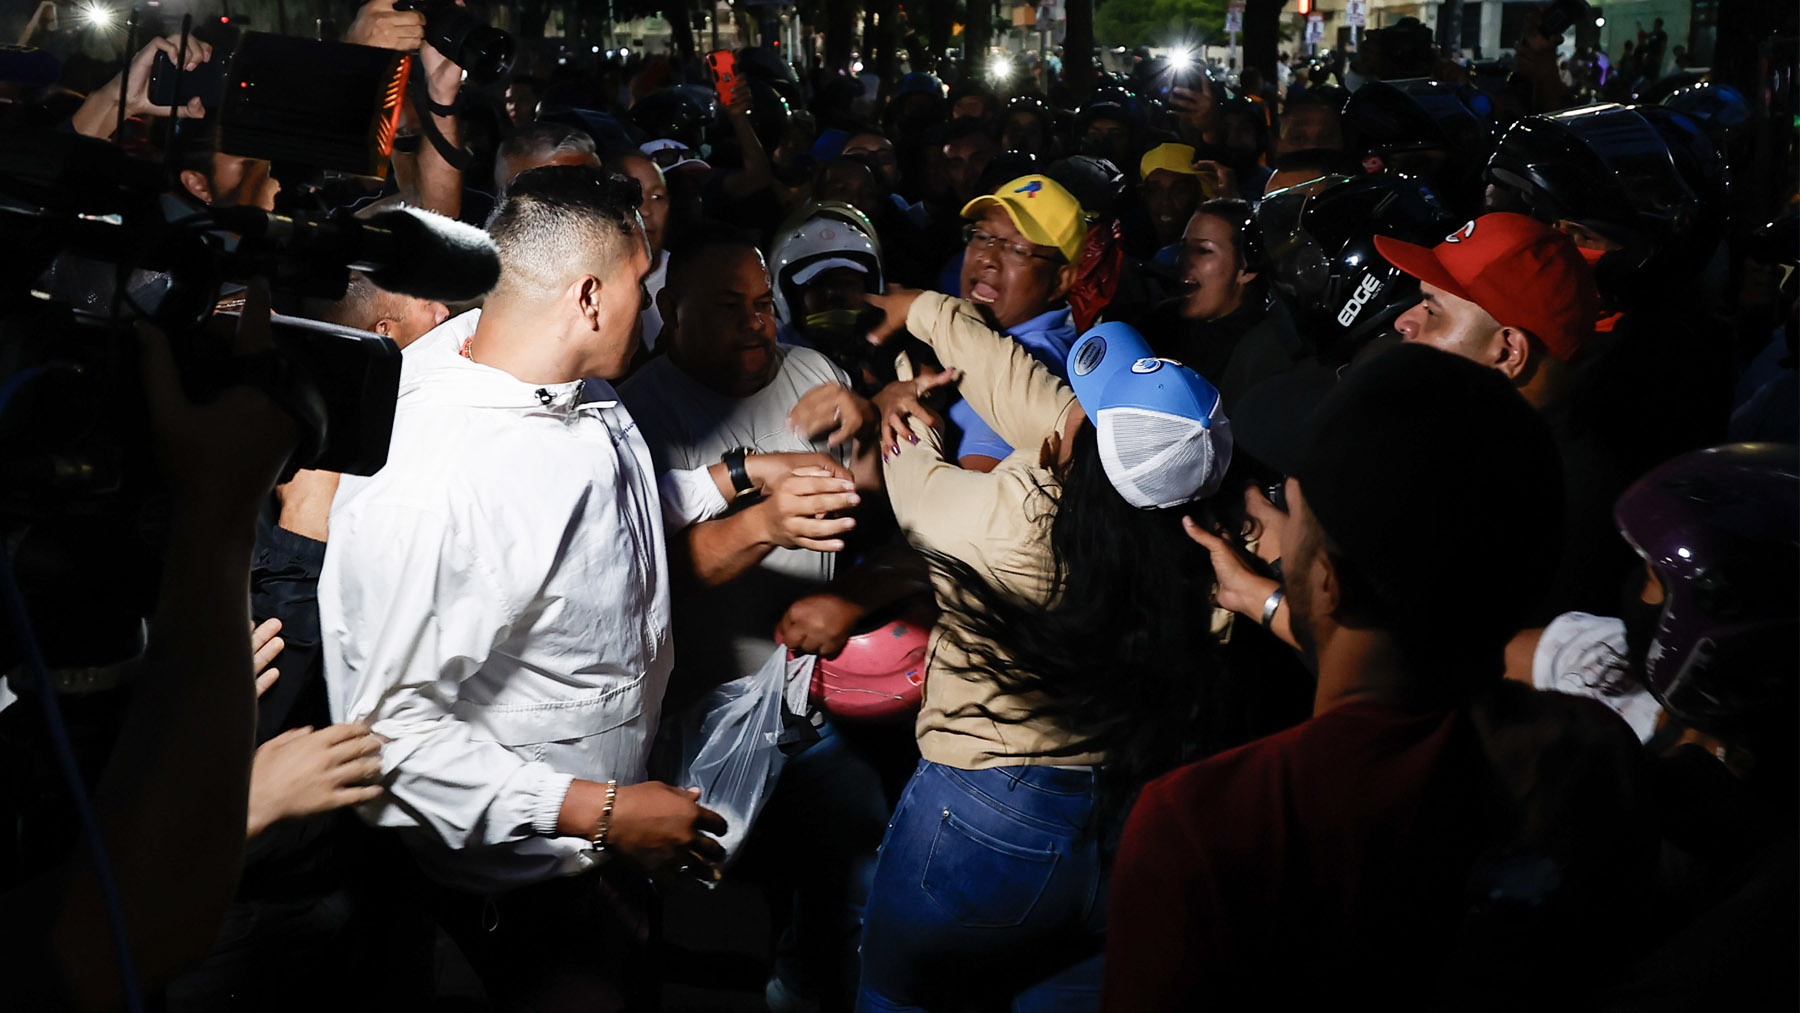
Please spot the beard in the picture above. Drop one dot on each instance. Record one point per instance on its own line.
(1299, 595)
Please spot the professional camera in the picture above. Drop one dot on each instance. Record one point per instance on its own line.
(484, 51)
(87, 251)
(295, 102)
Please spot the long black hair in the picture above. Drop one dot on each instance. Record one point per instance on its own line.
(1122, 655)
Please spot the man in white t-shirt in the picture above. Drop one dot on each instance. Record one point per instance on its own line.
(725, 388)
(727, 385)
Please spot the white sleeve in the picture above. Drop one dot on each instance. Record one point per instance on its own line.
(1580, 654)
(411, 611)
(688, 497)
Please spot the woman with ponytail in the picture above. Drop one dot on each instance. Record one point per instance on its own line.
(1072, 663)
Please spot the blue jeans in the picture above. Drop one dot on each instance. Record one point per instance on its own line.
(990, 887)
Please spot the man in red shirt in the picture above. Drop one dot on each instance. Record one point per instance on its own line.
(1336, 859)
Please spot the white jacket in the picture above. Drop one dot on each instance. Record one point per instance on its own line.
(496, 604)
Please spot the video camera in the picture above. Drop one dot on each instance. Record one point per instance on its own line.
(484, 51)
(88, 250)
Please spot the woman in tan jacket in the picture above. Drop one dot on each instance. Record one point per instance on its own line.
(1073, 660)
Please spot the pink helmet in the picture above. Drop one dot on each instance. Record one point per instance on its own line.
(878, 676)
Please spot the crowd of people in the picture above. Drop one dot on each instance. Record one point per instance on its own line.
(1356, 516)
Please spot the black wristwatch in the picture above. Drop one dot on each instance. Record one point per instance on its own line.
(740, 475)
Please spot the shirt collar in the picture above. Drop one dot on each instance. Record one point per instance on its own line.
(434, 370)
(1051, 320)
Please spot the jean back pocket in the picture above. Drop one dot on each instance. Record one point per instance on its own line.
(982, 881)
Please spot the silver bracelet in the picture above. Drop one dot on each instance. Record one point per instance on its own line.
(1271, 603)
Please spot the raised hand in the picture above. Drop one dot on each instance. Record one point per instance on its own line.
(904, 399)
(894, 305)
(304, 771)
(832, 408)
(378, 24)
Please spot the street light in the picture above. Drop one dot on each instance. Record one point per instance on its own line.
(97, 15)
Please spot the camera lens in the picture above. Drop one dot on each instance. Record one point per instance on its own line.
(487, 54)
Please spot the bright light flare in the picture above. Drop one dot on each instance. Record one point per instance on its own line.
(1181, 61)
(98, 15)
(1000, 68)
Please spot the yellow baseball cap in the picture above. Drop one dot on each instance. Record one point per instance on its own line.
(1169, 157)
(1041, 210)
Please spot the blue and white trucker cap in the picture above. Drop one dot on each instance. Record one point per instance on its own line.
(1164, 438)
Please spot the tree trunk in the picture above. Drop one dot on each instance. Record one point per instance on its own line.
(680, 16)
(880, 40)
(1262, 39)
(942, 14)
(840, 34)
(1449, 33)
(978, 34)
(1078, 48)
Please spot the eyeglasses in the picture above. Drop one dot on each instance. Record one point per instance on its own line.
(975, 239)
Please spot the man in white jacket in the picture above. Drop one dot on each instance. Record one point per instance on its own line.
(495, 604)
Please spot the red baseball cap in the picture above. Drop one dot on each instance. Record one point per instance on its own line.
(1524, 273)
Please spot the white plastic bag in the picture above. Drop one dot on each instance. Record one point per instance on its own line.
(730, 743)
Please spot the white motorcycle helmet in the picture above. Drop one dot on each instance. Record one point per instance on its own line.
(825, 235)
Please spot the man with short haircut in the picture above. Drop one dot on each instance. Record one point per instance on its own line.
(541, 144)
(1505, 291)
(496, 607)
(1513, 294)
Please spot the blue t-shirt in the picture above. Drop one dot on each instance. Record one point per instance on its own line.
(1048, 337)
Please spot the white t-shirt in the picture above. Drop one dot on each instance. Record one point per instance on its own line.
(1580, 653)
(726, 633)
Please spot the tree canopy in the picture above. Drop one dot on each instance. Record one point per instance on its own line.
(1159, 22)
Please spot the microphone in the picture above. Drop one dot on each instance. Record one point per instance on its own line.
(432, 257)
(405, 250)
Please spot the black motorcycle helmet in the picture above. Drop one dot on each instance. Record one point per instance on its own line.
(1032, 108)
(673, 115)
(769, 113)
(1440, 133)
(1095, 182)
(761, 63)
(1642, 176)
(1319, 249)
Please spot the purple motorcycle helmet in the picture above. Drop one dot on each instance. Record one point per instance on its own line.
(1721, 530)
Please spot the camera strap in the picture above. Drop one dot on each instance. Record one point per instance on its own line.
(458, 158)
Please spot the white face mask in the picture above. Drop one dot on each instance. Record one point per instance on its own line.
(1352, 80)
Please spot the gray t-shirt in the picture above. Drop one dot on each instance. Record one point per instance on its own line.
(727, 632)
